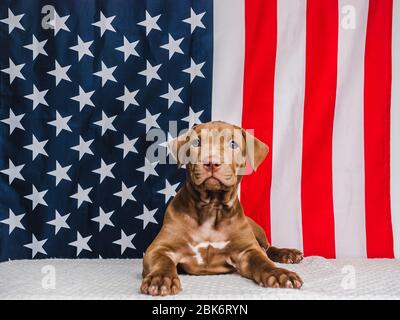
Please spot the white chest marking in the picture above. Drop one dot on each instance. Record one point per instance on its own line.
(206, 244)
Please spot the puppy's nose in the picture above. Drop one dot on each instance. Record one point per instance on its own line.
(212, 166)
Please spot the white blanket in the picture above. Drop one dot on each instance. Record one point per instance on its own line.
(120, 279)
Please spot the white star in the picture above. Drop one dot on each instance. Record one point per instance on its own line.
(105, 170)
(13, 221)
(60, 73)
(169, 191)
(104, 23)
(195, 20)
(147, 216)
(60, 173)
(60, 123)
(14, 70)
(14, 121)
(148, 169)
(104, 219)
(150, 120)
(37, 97)
(194, 70)
(37, 47)
(58, 23)
(59, 222)
(127, 146)
(83, 48)
(128, 98)
(128, 48)
(150, 23)
(172, 95)
(13, 21)
(105, 123)
(81, 243)
(150, 72)
(37, 197)
(125, 193)
(106, 74)
(82, 195)
(13, 172)
(193, 117)
(83, 147)
(125, 241)
(83, 98)
(36, 246)
(173, 46)
(37, 147)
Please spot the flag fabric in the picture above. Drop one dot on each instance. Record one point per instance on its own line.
(84, 82)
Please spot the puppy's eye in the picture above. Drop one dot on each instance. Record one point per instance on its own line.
(196, 143)
(233, 144)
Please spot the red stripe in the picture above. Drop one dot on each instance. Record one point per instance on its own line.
(319, 106)
(258, 97)
(377, 93)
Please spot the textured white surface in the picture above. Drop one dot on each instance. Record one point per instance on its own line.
(120, 279)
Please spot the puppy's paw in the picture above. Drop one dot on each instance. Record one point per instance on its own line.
(161, 285)
(284, 255)
(281, 278)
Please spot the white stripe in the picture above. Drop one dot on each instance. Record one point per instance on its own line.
(286, 220)
(348, 132)
(395, 130)
(228, 69)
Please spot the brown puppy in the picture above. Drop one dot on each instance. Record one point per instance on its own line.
(205, 230)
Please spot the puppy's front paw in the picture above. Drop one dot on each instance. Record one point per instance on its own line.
(284, 255)
(160, 285)
(281, 278)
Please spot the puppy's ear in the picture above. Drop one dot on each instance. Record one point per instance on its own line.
(179, 146)
(256, 150)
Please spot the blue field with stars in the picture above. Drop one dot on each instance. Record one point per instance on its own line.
(82, 82)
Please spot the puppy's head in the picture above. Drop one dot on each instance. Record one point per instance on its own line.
(215, 154)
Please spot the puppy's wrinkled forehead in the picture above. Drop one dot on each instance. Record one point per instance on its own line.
(218, 137)
(218, 131)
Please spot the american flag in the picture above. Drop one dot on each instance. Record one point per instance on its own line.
(82, 82)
